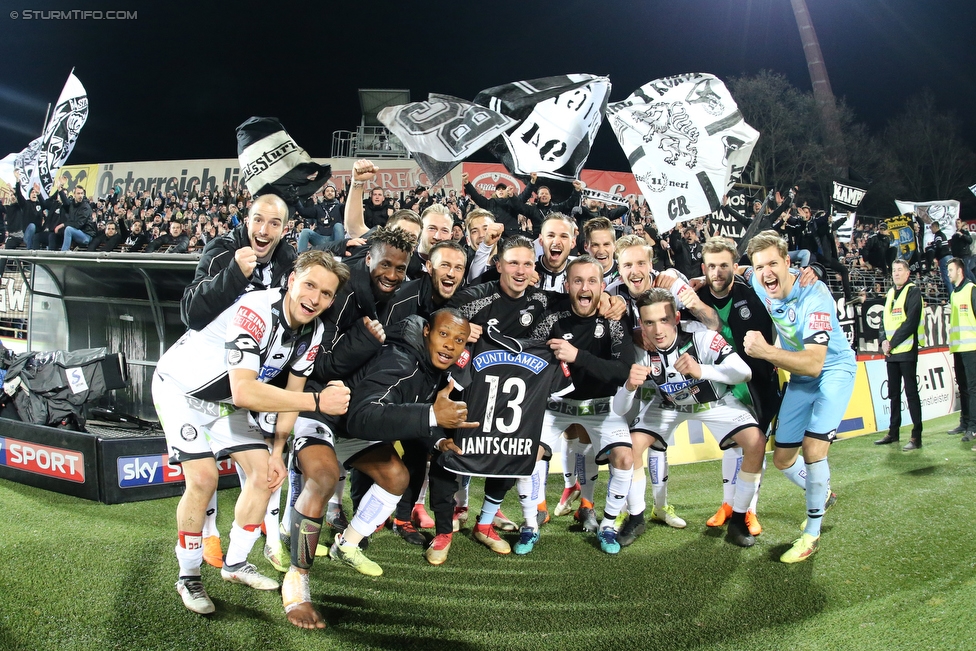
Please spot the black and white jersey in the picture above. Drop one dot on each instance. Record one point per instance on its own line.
(486, 304)
(611, 278)
(708, 348)
(605, 351)
(552, 281)
(250, 334)
(505, 383)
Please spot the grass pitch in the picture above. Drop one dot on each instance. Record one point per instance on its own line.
(896, 570)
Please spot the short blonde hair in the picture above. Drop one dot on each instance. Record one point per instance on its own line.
(627, 241)
(765, 240)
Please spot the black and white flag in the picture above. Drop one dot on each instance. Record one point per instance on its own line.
(687, 144)
(558, 119)
(44, 156)
(945, 212)
(443, 131)
(848, 193)
(272, 162)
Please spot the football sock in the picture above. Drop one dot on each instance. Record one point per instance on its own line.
(340, 488)
(568, 457)
(242, 540)
(588, 471)
(271, 515)
(755, 496)
(529, 490)
(189, 552)
(305, 533)
(657, 466)
(636, 496)
(818, 480)
(374, 509)
(489, 510)
(422, 494)
(210, 520)
(746, 485)
(461, 495)
(731, 462)
(617, 488)
(797, 474)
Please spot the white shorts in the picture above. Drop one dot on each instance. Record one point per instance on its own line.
(606, 429)
(725, 418)
(198, 429)
(309, 431)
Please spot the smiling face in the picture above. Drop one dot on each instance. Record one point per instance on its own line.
(265, 226)
(773, 272)
(634, 264)
(557, 241)
(309, 294)
(514, 268)
(446, 269)
(437, 228)
(446, 337)
(659, 324)
(601, 247)
(477, 228)
(387, 268)
(719, 269)
(584, 284)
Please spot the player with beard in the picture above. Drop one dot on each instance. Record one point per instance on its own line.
(482, 233)
(822, 367)
(557, 238)
(444, 271)
(740, 310)
(686, 373)
(599, 354)
(437, 224)
(246, 259)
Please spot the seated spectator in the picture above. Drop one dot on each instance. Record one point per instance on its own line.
(175, 239)
(107, 239)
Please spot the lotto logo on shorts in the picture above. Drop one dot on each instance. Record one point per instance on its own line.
(248, 320)
(819, 321)
(43, 460)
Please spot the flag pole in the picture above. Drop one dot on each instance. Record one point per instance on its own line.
(47, 114)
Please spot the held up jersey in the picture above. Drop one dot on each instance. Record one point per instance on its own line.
(708, 348)
(808, 315)
(506, 384)
(250, 334)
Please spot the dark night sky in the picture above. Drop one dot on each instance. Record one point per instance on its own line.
(175, 82)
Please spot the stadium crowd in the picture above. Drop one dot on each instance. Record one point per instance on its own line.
(184, 222)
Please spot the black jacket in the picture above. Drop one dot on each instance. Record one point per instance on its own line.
(178, 244)
(77, 214)
(326, 214)
(506, 211)
(392, 395)
(376, 216)
(959, 244)
(218, 281)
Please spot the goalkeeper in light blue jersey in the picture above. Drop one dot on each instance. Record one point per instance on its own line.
(822, 367)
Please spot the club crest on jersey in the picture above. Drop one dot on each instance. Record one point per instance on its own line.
(301, 349)
(599, 330)
(188, 432)
(525, 319)
(791, 315)
(498, 357)
(656, 366)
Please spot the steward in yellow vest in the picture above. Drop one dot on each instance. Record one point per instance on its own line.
(962, 345)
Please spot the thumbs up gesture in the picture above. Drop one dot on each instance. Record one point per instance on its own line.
(450, 414)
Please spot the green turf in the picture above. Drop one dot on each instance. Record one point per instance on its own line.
(895, 571)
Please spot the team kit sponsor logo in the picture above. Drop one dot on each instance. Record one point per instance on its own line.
(153, 470)
(250, 322)
(43, 460)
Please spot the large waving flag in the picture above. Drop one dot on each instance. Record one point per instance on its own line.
(944, 212)
(687, 144)
(558, 118)
(42, 159)
(443, 131)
